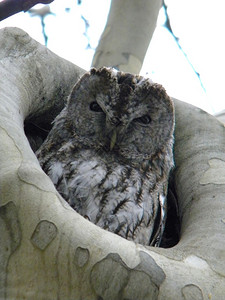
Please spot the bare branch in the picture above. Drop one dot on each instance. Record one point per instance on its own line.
(11, 7)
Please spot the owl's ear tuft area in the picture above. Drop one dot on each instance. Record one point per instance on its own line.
(127, 79)
(93, 71)
(159, 91)
(105, 72)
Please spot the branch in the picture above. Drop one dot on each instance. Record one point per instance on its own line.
(167, 25)
(127, 34)
(11, 7)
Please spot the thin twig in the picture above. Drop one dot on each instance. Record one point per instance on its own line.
(167, 25)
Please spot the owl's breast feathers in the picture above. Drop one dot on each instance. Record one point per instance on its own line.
(116, 197)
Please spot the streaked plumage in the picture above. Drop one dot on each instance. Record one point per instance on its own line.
(109, 153)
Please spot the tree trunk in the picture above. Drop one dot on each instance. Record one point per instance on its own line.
(127, 34)
(48, 251)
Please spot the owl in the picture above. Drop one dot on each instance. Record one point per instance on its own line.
(110, 151)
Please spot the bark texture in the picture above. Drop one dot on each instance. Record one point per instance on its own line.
(127, 34)
(48, 251)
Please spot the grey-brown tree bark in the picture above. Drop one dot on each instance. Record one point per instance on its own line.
(48, 251)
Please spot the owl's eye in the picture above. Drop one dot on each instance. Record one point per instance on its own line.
(95, 107)
(146, 119)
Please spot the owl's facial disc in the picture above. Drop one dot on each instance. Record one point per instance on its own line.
(124, 116)
(114, 127)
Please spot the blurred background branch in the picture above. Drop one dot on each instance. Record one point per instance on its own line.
(11, 7)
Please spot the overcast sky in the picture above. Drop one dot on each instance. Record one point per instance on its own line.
(199, 25)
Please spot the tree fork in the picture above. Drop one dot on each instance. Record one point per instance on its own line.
(48, 251)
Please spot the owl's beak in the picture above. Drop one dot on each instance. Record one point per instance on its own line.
(113, 139)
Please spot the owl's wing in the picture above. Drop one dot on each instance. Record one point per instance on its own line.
(57, 171)
(160, 222)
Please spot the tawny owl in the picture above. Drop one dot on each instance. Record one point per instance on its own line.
(109, 153)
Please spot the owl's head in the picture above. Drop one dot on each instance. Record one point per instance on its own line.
(123, 114)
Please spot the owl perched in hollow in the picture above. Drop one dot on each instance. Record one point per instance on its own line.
(109, 153)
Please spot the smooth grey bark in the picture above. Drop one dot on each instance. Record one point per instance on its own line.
(127, 34)
(221, 116)
(48, 251)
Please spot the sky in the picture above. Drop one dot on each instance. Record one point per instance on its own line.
(199, 25)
